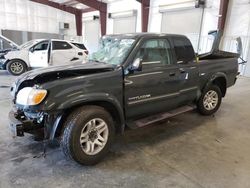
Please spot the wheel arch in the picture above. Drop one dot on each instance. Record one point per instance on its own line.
(220, 80)
(9, 60)
(115, 112)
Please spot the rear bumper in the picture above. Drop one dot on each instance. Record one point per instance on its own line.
(18, 125)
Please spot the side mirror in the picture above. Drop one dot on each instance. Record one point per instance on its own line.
(136, 65)
(32, 50)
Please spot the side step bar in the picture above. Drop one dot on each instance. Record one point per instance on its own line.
(162, 116)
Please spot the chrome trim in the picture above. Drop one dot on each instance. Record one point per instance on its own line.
(146, 74)
(151, 62)
(128, 82)
(188, 89)
(162, 96)
(180, 62)
(154, 98)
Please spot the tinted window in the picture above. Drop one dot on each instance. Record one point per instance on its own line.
(81, 46)
(155, 51)
(41, 46)
(183, 49)
(60, 45)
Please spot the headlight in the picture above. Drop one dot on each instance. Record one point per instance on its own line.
(30, 96)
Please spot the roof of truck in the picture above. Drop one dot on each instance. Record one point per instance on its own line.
(138, 35)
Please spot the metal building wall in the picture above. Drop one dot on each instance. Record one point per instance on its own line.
(24, 15)
(21, 37)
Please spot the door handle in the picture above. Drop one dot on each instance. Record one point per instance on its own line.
(172, 74)
(182, 70)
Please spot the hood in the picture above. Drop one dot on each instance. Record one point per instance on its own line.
(43, 75)
(68, 70)
(11, 43)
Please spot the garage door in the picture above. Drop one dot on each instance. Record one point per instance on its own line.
(185, 22)
(91, 34)
(125, 25)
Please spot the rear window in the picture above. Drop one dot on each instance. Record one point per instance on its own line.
(183, 49)
(81, 46)
(61, 45)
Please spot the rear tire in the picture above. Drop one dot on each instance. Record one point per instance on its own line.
(16, 67)
(88, 135)
(210, 100)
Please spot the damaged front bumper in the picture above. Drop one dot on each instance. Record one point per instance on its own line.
(42, 124)
(18, 124)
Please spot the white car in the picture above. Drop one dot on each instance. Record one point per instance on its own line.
(43, 53)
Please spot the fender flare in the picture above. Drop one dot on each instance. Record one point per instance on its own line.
(76, 102)
(213, 78)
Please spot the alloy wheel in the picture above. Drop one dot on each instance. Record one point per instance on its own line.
(16, 67)
(210, 100)
(94, 136)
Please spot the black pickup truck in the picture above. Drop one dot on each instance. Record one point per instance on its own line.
(133, 80)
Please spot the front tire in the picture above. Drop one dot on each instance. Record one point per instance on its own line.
(16, 67)
(210, 100)
(88, 134)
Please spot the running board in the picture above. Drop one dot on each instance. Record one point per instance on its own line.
(162, 116)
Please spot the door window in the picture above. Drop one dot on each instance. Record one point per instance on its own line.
(61, 45)
(155, 51)
(183, 49)
(41, 46)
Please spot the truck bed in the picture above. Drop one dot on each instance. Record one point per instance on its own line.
(219, 54)
(225, 62)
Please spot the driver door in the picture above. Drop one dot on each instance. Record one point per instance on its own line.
(155, 88)
(38, 54)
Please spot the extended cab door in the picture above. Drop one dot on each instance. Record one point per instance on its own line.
(38, 54)
(156, 87)
(62, 52)
(189, 69)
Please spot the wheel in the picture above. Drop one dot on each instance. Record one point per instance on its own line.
(210, 100)
(88, 134)
(16, 67)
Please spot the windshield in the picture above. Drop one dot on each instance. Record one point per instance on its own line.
(112, 50)
(28, 44)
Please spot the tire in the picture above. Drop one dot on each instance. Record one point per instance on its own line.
(207, 104)
(16, 67)
(79, 125)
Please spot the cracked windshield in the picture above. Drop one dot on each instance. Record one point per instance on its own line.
(112, 50)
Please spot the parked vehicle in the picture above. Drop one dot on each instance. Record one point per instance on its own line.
(43, 53)
(133, 80)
